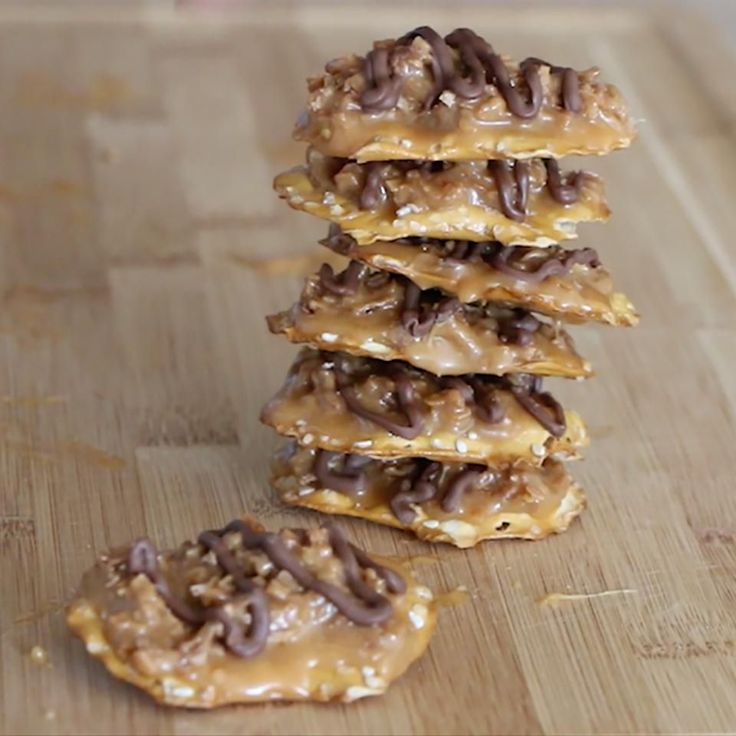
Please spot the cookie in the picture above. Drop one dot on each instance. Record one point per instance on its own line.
(425, 97)
(570, 285)
(519, 202)
(461, 503)
(343, 403)
(244, 615)
(379, 314)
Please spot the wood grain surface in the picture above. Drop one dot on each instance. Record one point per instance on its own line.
(137, 148)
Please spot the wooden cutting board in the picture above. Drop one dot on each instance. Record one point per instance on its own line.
(136, 155)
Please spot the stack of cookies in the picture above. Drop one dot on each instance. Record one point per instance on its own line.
(419, 402)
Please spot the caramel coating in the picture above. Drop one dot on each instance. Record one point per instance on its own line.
(454, 128)
(583, 293)
(515, 501)
(313, 652)
(372, 321)
(312, 408)
(460, 201)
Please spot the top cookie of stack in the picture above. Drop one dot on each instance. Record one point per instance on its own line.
(423, 97)
(431, 416)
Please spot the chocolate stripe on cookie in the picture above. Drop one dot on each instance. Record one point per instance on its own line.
(363, 605)
(405, 398)
(483, 66)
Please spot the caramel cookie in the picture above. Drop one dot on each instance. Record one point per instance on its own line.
(423, 96)
(379, 314)
(570, 285)
(519, 202)
(343, 403)
(458, 503)
(244, 615)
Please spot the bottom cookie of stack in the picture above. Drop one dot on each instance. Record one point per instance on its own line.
(458, 503)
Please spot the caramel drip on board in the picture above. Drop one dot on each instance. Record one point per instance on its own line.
(363, 605)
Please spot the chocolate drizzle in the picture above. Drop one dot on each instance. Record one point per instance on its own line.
(518, 327)
(374, 191)
(457, 487)
(363, 605)
(465, 251)
(513, 189)
(242, 641)
(571, 99)
(568, 192)
(480, 395)
(478, 65)
(406, 400)
(425, 485)
(345, 283)
(527, 390)
(516, 261)
(523, 262)
(419, 314)
(348, 480)
(512, 180)
(383, 87)
(421, 488)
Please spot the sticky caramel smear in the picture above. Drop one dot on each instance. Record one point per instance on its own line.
(93, 455)
(454, 597)
(555, 599)
(39, 656)
(32, 400)
(421, 559)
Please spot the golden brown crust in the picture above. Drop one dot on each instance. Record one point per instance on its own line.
(368, 322)
(518, 501)
(313, 652)
(459, 202)
(455, 129)
(310, 408)
(585, 293)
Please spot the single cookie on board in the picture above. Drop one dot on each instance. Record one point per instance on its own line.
(461, 504)
(385, 409)
(245, 615)
(383, 315)
(570, 285)
(519, 202)
(454, 98)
